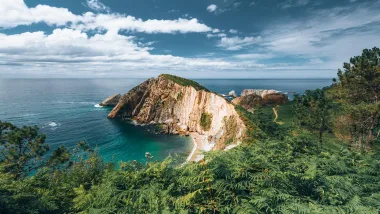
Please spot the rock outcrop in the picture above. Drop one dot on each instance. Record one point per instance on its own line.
(275, 99)
(182, 106)
(259, 92)
(111, 101)
(253, 98)
(232, 93)
(249, 102)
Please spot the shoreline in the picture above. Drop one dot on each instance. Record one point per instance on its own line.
(200, 144)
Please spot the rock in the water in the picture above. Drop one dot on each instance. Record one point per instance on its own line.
(261, 92)
(232, 93)
(111, 101)
(182, 107)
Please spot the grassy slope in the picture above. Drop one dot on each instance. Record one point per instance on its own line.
(285, 114)
(184, 82)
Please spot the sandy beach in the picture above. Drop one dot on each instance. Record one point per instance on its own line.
(201, 145)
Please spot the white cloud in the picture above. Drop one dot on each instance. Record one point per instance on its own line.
(76, 50)
(98, 6)
(294, 3)
(212, 8)
(118, 22)
(233, 31)
(220, 35)
(333, 35)
(254, 56)
(16, 12)
(237, 43)
(216, 30)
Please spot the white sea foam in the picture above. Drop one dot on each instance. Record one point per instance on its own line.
(98, 106)
(53, 124)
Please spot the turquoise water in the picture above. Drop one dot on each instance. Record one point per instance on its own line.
(65, 111)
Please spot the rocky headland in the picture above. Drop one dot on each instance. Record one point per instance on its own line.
(182, 106)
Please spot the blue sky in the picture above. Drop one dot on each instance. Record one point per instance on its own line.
(197, 39)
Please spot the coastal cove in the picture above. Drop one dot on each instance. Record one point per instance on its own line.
(66, 110)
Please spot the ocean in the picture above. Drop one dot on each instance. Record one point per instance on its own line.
(66, 111)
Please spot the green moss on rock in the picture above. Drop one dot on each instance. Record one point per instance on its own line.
(206, 120)
(184, 82)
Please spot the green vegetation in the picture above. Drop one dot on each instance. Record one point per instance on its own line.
(314, 111)
(184, 82)
(285, 114)
(179, 96)
(206, 120)
(278, 169)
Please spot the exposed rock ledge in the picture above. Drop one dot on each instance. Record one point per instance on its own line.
(182, 106)
(111, 101)
(259, 92)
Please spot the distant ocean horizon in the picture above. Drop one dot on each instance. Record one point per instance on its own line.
(66, 111)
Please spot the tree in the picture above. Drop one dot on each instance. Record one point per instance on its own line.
(313, 111)
(359, 88)
(22, 149)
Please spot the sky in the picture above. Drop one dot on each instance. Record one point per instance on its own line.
(195, 39)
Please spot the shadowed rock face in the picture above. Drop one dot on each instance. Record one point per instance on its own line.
(111, 101)
(249, 102)
(180, 108)
(275, 99)
(254, 98)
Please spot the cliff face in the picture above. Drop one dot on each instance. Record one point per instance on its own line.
(182, 108)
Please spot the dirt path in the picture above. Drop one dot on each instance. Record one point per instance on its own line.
(275, 113)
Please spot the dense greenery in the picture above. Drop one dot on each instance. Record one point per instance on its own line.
(314, 111)
(184, 82)
(280, 168)
(206, 120)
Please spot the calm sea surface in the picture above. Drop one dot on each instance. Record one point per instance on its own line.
(66, 111)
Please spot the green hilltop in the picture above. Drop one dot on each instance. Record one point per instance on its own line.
(184, 82)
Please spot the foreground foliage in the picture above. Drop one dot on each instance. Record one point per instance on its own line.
(294, 175)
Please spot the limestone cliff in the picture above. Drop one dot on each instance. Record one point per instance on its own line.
(182, 106)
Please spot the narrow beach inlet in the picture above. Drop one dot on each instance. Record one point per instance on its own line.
(200, 145)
